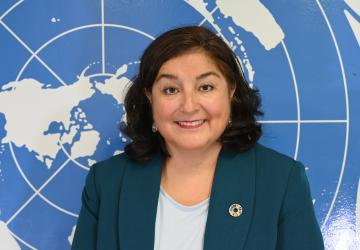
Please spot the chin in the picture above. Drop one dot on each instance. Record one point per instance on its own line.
(193, 147)
(189, 147)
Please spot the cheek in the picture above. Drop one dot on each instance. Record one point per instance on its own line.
(218, 108)
(163, 109)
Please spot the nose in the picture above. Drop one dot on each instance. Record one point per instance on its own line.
(189, 102)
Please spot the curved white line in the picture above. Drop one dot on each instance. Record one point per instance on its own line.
(37, 192)
(33, 188)
(347, 114)
(102, 37)
(101, 74)
(130, 28)
(50, 41)
(10, 9)
(297, 99)
(62, 146)
(76, 29)
(72, 159)
(22, 241)
(31, 52)
(58, 207)
(301, 121)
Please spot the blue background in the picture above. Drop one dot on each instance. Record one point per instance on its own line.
(326, 137)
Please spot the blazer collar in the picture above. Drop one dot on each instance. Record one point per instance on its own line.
(233, 183)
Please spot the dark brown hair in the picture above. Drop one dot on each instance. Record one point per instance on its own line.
(243, 132)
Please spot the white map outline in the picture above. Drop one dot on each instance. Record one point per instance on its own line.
(298, 121)
(34, 55)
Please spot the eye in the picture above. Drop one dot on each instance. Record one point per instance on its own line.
(206, 87)
(170, 91)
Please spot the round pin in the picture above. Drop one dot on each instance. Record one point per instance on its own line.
(235, 210)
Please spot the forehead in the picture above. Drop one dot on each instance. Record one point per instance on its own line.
(189, 62)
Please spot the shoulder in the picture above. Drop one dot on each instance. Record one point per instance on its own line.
(287, 180)
(270, 159)
(267, 155)
(113, 164)
(109, 172)
(277, 169)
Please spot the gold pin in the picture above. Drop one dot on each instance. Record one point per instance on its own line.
(235, 210)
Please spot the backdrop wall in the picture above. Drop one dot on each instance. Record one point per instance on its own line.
(64, 66)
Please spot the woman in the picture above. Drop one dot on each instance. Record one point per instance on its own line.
(194, 176)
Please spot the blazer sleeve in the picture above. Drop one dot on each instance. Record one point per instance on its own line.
(86, 228)
(298, 228)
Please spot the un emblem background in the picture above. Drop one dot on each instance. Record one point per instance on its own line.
(65, 64)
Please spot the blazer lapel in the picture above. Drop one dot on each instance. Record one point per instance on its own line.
(234, 183)
(138, 204)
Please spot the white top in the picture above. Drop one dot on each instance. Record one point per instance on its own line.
(179, 227)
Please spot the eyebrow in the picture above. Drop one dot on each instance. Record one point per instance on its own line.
(202, 76)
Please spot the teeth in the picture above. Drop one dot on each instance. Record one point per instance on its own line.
(194, 123)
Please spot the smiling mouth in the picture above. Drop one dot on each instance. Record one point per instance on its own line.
(191, 124)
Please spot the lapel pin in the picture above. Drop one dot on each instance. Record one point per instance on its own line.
(235, 210)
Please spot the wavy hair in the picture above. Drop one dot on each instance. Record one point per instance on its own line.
(244, 131)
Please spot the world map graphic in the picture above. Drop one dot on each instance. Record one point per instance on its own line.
(68, 66)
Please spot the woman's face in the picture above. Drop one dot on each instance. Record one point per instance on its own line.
(190, 101)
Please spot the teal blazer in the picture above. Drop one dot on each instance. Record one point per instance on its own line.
(119, 204)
